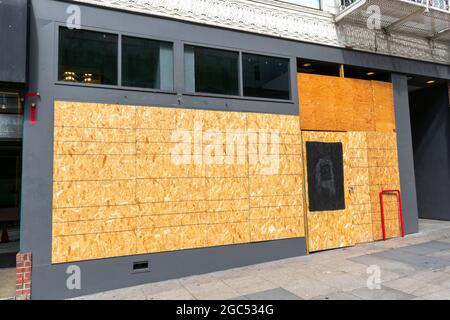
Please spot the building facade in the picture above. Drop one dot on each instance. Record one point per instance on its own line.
(165, 138)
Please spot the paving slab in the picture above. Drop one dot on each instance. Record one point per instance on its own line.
(413, 286)
(414, 267)
(249, 284)
(308, 289)
(273, 294)
(417, 261)
(385, 293)
(441, 295)
(386, 265)
(338, 296)
(420, 249)
(343, 281)
(175, 294)
(438, 245)
(7, 283)
(214, 290)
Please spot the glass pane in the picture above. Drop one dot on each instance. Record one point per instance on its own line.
(211, 71)
(87, 57)
(266, 77)
(9, 103)
(10, 126)
(147, 64)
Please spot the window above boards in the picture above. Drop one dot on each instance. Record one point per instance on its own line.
(98, 58)
(92, 57)
(216, 71)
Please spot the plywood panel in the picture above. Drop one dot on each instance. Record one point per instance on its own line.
(276, 212)
(330, 229)
(280, 228)
(93, 226)
(342, 104)
(383, 174)
(230, 233)
(172, 207)
(161, 166)
(167, 190)
(93, 193)
(94, 213)
(171, 238)
(93, 115)
(383, 106)
(93, 246)
(359, 185)
(93, 167)
(94, 148)
(75, 134)
(277, 201)
(279, 185)
(115, 180)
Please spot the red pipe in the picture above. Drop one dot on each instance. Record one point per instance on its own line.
(400, 206)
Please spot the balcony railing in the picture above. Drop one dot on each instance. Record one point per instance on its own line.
(436, 4)
(429, 19)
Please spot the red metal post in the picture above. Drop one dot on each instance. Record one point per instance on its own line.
(33, 106)
(400, 206)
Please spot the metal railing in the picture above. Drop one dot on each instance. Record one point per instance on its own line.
(438, 4)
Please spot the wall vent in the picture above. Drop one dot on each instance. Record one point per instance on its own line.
(141, 266)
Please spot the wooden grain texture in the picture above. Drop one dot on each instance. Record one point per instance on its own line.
(342, 104)
(383, 175)
(383, 97)
(330, 229)
(365, 110)
(370, 165)
(359, 205)
(117, 190)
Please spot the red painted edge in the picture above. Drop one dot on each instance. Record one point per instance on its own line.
(400, 207)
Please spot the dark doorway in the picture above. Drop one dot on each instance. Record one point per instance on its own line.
(10, 187)
(325, 166)
(430, 126)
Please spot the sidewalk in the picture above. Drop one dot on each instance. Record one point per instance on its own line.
(416, 267)
(8, 269)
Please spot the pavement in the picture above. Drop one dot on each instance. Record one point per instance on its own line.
(8, 269)
(416, 267)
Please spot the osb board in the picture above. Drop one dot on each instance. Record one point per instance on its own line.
(383, 97)
(359, 190)
(117, 192)
(370, 165)
(330, 229)
(342, 104)
(384, 175)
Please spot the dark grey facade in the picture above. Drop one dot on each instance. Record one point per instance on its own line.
(430, 115)
(13, 37)
(49, 281)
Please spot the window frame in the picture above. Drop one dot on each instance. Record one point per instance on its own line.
(179, 87)
(119, 41)
(206, 94)
(119, 85)
(241, 74)
(275, 57)
(121, 63)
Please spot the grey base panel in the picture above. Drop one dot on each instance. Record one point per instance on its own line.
(50, 281)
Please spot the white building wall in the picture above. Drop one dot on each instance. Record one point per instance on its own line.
(281, 19)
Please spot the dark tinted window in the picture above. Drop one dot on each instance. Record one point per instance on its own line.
(9, 103)
(147, 64)
(266, 77)
(87, 57)
(211, 71)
